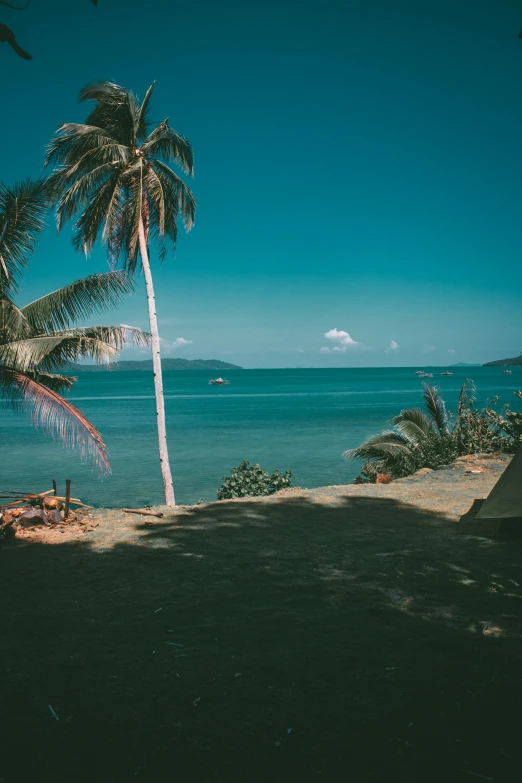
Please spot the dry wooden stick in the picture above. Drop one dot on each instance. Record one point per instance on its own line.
(143, 511)
(67, 498)
(13, 503)
(74, 501)
(7, 494)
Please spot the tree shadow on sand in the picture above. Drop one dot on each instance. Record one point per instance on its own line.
(361, 640)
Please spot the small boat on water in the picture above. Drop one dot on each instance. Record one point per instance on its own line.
(425, 374)
(446, 373)
(419, 372)
(506, 372)
(218, 382)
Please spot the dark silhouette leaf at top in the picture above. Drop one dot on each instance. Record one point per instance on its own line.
(15, 7)
(7, 36)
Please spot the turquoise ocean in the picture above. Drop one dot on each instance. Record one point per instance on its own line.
(300, 419)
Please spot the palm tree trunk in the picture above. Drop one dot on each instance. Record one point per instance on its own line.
(158, 379)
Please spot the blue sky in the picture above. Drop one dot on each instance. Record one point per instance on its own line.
(358, 170)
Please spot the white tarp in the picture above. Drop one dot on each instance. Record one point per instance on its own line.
(505, 499)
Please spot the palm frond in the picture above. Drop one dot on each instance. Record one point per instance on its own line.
(178, 196)
(104, 92)
(81, 192)
(46, 352)
(22, 210)
(54, 414)
(53, 381)
(90, 222)
(13, 323)
(115, 154)
(58, 310)
(166, 144)
(142, 117)
(413, 424)
(115, 110)
(73, 140)
(436, 407)
(386, 444)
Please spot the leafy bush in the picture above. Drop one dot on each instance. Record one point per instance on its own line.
(435, 438)
(252, 481)
(510, 423)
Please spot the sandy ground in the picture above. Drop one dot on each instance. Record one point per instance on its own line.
(448, 493)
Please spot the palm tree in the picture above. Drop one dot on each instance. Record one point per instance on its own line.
(413, 428)
(40, 338)
(113, 173)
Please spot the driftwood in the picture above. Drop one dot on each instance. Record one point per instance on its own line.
(26, 495)
(143, 511)
(74, 501)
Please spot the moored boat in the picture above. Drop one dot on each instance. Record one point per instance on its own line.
(446, 373)
(218, 382)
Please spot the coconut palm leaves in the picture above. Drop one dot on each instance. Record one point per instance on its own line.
(412, 428)
(387, 443)
(22, 209)
(436, 408)
(113, 174)
(41, 338)
(32, 349)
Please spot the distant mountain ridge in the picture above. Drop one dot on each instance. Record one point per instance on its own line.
(516, 362)
(167, 364)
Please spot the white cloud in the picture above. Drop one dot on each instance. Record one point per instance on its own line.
(179, 342)
(341, 337)
(452, 350)
(324, 349)
(300, 350)
(393, 346)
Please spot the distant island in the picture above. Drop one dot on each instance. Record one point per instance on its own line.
(167, 364)
(465, 364)
(516, 362)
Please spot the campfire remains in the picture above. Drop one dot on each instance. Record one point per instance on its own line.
(32, 509)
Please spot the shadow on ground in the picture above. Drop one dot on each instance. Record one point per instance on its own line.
(366, 641)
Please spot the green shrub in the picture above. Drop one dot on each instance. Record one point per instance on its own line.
(433, 438)
(510, 423)
(252, 481)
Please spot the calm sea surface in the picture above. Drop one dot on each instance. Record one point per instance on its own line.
(297, 419)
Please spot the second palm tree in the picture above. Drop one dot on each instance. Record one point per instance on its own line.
(113, 173)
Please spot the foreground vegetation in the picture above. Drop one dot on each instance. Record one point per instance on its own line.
(433, 437)
(252, 481)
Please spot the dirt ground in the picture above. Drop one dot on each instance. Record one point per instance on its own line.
(351, 632)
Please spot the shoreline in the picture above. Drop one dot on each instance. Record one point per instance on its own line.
(448, 493)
